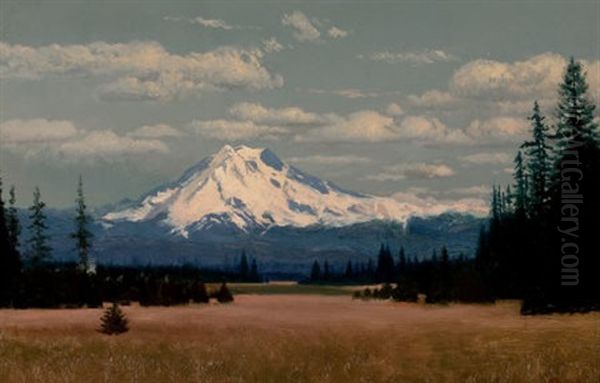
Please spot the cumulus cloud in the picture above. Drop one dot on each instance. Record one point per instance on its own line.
(209, 23)
(39, 130)
(155, 131)
(337, 33)
(331, 160)
(419, 170)
(106, 143)
(212, 23)
(63, 140)
(498, 127)
(271, 45)
(362, 126)
(413, 58)
(271, 116)
(140, 70)
(304, 29)
(236, 130)
(394, 109)
(535, 77)
(351, 93)
(487, 158)
(433, 99)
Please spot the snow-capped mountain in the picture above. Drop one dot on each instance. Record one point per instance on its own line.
(253, 189)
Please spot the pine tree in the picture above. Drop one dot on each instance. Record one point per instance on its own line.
(402, 261)
(349, 272)
(113, 321)
(12, 219)
(520, 177)
(575, 176)
(315, 272)
(575, 110)
(326, 271)
(39, 251)
(82, 234)
(10, 263)
(244, 269)
(538, 162)
(224, 295)
(254, 277)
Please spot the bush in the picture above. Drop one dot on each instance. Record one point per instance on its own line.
(224, 295)
(113, 321)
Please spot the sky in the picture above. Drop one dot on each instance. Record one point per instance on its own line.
(423, 101)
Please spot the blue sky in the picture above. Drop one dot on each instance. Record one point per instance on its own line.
(425, 101)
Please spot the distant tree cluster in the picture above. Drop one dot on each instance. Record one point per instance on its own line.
(30, 278)
(541, 244)
(440, 278)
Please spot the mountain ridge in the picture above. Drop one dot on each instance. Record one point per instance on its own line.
(251, 188)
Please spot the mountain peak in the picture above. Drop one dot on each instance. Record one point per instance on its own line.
(252, 188)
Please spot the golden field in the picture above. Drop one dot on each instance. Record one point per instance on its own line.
(302, 338)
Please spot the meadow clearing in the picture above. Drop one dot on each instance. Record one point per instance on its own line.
(301, 338)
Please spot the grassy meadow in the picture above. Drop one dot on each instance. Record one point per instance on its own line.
(302, 338)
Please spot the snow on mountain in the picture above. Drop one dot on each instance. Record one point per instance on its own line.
(252, 188)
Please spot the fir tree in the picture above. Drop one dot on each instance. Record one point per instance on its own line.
(224, 295)
(326, 271)
(520, 177)
(113, 321)
(39, 251)
(82, 234)
(349, 272)
(244, 269)
(575, 110)
(254, 277)
(402, 261)
(10, 263)
(315, 272)
(12, 219)
(538, 161)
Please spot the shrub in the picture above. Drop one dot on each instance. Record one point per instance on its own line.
(113, 321)
(224, 295)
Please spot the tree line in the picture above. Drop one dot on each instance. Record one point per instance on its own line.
(540, 243)
(440, 277)
(29, 277)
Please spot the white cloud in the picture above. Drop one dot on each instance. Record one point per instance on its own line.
(271, 116)
(487, 158)
(209, 23)
(362, 126)
(271, 45)
(433, 99)
(140, 70)
(236, 130)
(414, 58)
(331, 160)
(535, 77)
(155, 131)
(304, 29)
(394, 109)
(498, 127)
(39, 130)
(212, 23)
(337, 33)
(63, 140)
(416, 171)
(431, 131)
(350, 93)
(106, 143)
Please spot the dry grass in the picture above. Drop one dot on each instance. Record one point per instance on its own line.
(294, 338)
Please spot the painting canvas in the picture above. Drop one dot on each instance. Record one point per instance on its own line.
(278, 191)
